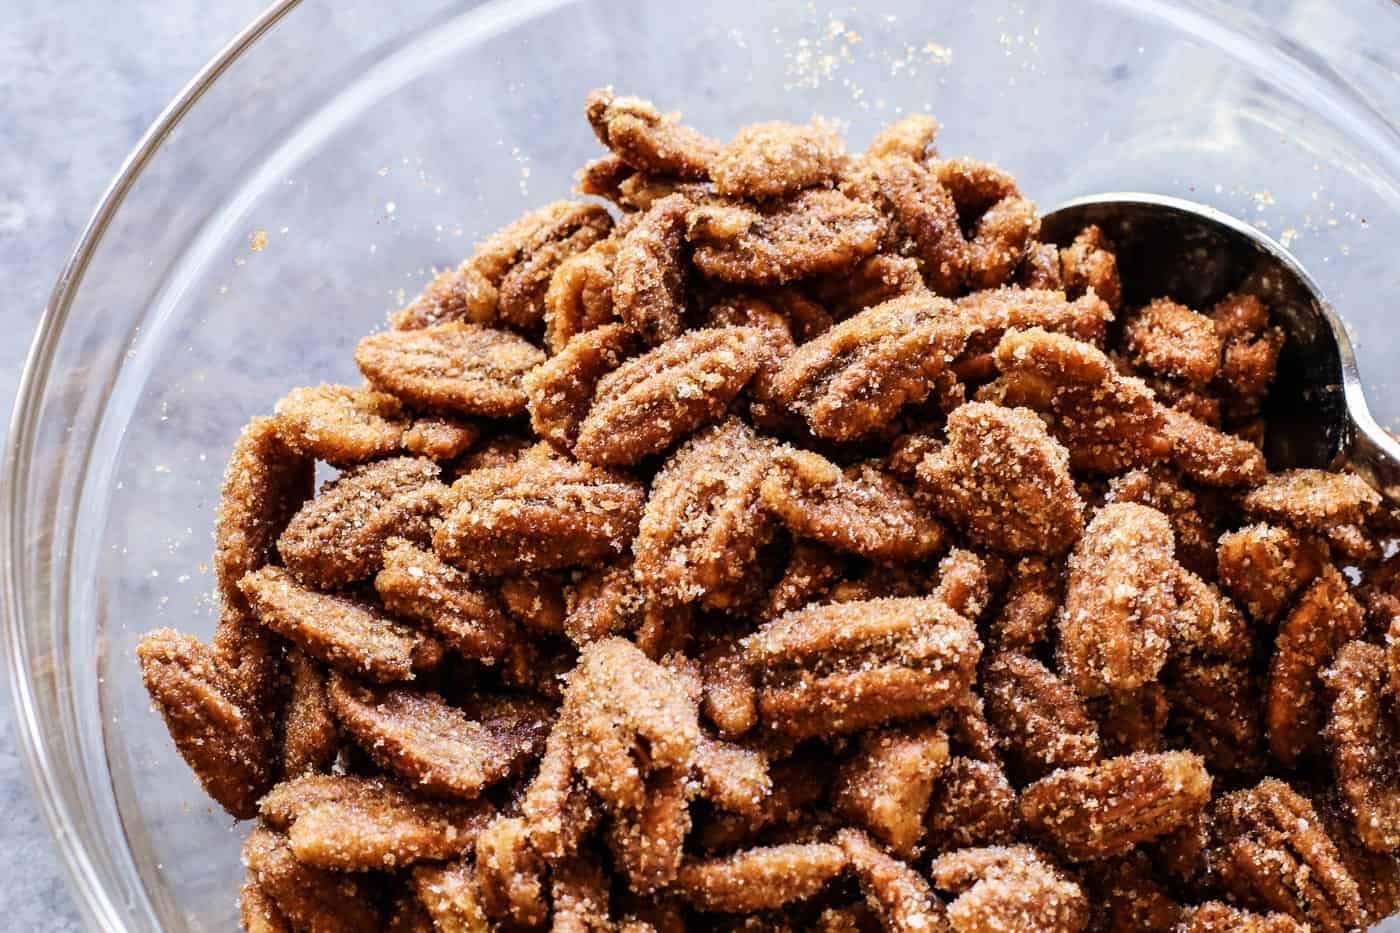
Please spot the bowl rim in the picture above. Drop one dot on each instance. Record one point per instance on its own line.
(93, 901)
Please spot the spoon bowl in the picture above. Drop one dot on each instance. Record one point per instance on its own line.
(1316, 414)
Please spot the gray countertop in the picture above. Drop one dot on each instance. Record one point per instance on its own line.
(79, 82)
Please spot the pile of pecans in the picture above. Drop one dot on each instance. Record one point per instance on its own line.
(803, 546)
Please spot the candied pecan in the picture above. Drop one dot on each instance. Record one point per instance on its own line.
(1239, 315)
(603, 177)
(573, 229)
(810, 233)
(702, 525)
(309, 736)
(647, 841)
(622, 705)
(732, 777)
(765, 160)
(561, 389)
(1089, 263)
(1183, 855)
(456, 367)
(798, 783)
(810, 571)
(1167, 493)
(536, 602)
(992, 312)
(440, 438)
(1218, 917)
(858, 375)
(343, 632)
(1119, 601)
(649, 403)
(640, 193)
(1169, 339)
(436, 746)
(538, 515)
(1363, 734)
(310, 898)
(502, 450)
(610, 601)
(1132, 720)
(1002, 479)
(417, 585)
(1215, 708)
(557, 810)
(264, 484)
(510, 875)
(1009, 888)
(354, 823)
(339, 537)
(230, 752)
(966, 582)
(1263, 566)
(803, 317)
(648, 291)
(848, 666)
(1354, 543)
(1108, 423)
(759, 879)
(508, 273)
(899, 895)
(923, 220)
(872, 281)
(258, 913)
(1129, 899)
(1029, 607)
(1040, 721)
(451, 895)
(910, 136)
(1377, 874)
(730, 696)
(580, 294)
(862, 510)
(1271, 852)
(1209, 456)
(341, 425)
(579, 894)
(459, 293)
(647, 139)
(1206, 621)
(1312, 499)
(1102, 810)
(1248, 369)
(1003, 223)
(1324, 618)
(1040, 268)
(886, 783)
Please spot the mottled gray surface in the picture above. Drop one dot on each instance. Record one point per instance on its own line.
(79, 82)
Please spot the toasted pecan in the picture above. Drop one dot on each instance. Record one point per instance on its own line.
(650, 402)
(647, 139)
(861, 510)
(810, 233)
(344, 632)
(339, 537)
(538, 516)
(1101, 810)
(453, 367)
(437, 746)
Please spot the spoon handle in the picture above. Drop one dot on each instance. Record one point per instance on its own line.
(1375, 455)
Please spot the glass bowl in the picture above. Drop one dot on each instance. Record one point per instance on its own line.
(312, 176)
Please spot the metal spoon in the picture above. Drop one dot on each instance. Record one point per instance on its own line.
(1316, 413)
